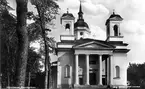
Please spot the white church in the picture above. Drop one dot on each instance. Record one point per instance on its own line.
(89, 63)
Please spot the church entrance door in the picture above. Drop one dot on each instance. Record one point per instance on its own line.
(93, 77)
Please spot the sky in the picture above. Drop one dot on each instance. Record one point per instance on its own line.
(96, 12)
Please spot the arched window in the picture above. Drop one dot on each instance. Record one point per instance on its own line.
(117, 71)
(67, 71)
(115, 30)
(67, 26)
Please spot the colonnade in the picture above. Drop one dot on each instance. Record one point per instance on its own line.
(87, 69)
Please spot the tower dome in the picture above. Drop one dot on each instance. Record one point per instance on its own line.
(67, 16)
(114, 17)
(81, 23)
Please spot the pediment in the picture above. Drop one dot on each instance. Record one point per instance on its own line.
(94, 45)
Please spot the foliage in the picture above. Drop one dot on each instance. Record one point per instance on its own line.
(34, 32)
(136, 74)
(4, 6)
(35, 35)
(33, 61)
(47, 9)
(9, 43)
(8, 46)
(33, 65)
(9, 50)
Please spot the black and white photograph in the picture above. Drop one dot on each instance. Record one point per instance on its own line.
(72, 44)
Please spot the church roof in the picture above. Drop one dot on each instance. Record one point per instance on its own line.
(92, 44)
(114, 17)
(86, 40)
(67, 16)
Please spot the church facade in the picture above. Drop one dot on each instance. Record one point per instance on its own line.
(90, 63)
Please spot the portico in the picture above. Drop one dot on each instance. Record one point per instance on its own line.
(92, 71)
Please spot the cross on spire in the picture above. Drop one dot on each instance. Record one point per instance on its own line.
(113, 11)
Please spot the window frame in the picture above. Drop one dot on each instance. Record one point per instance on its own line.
(67, 71)
(116, 29)
(117, 70)
(67, 25)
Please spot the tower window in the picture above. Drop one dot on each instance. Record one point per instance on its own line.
(117, 68)
(81, 33)
(67, 26)
(115, 30)
(67, 71)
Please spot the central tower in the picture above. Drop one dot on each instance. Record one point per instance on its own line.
(81, 28)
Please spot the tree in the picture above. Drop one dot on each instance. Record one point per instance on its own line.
(8, 43)
(9, 47)
(22, 42)
(46, 13)
(136, 74)
(3, 9)
(32, 65)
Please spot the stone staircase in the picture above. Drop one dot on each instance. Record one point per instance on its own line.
(97, 87)
(90, 87)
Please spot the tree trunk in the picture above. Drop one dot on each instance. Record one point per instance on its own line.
(46, 74)
(8, 79)
(22, 42)
(47, 61)
(29, 82)
(0, 55)
(46, 48)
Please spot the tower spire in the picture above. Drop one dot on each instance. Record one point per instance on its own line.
(80, 13)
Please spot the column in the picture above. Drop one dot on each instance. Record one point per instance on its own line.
(76, 70)
(87, 70)
(106, 71)
(59, 75)
(100, 69)
(111, 69)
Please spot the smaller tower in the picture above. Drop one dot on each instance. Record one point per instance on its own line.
(67, 21)
(81, 28)
(113, 32)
